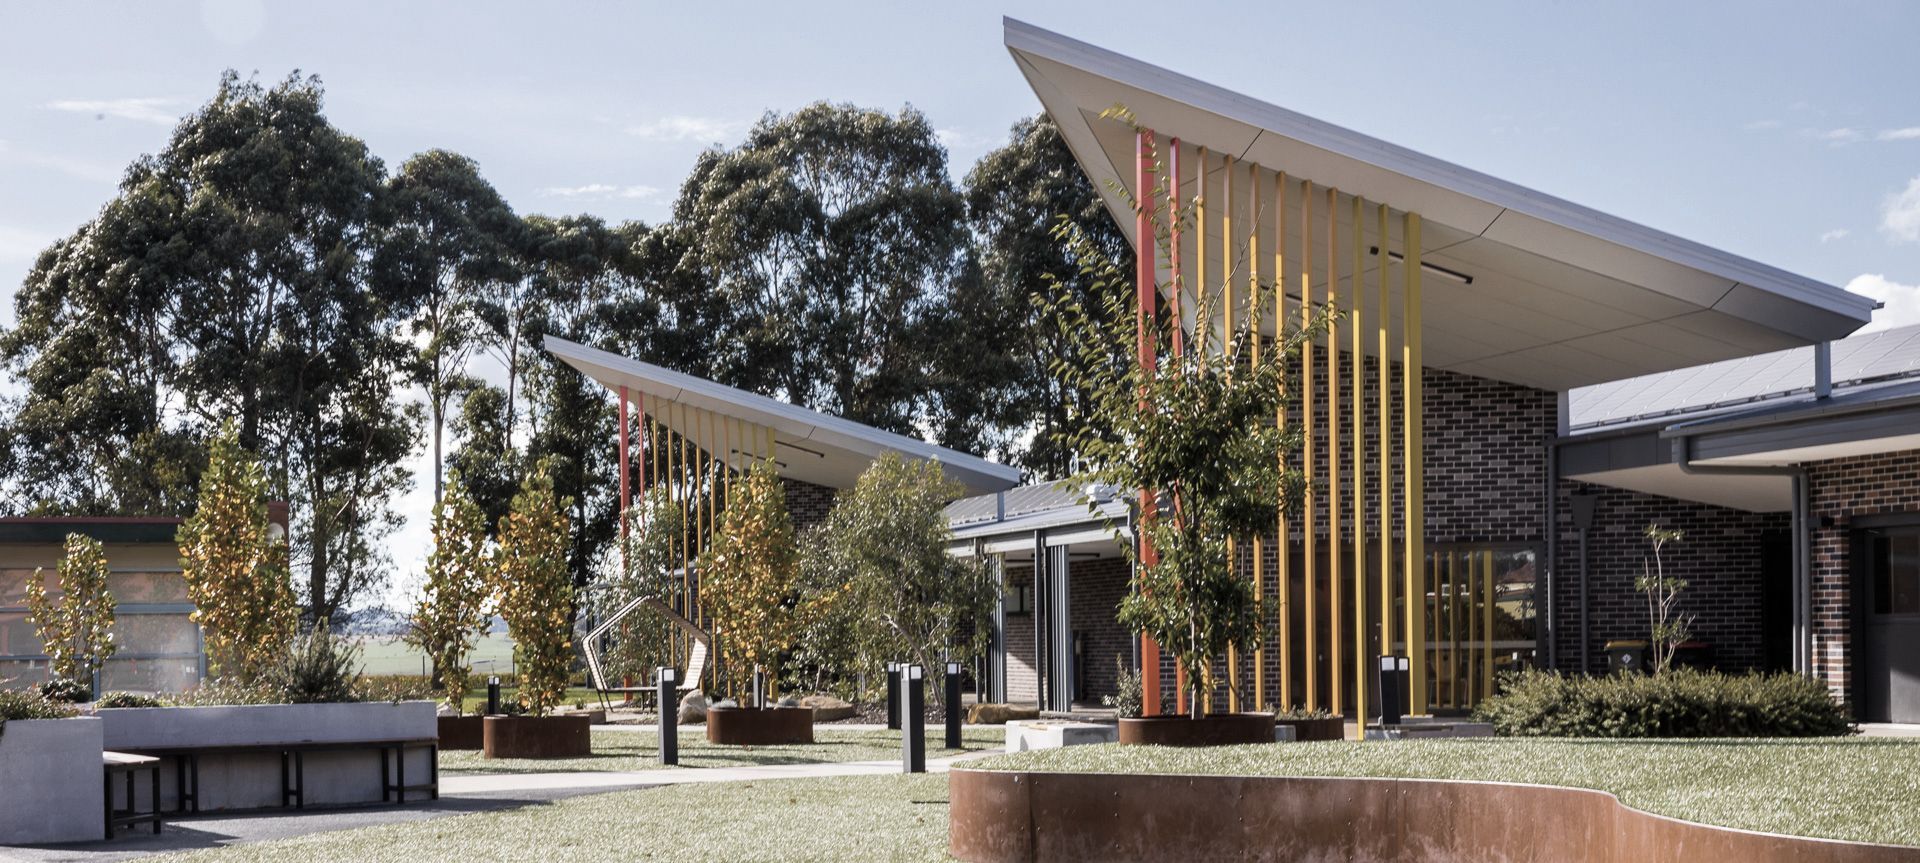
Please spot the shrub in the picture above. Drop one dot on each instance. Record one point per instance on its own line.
(748, 578)
(129, 699)
(1297, 712)
(321, 668)
(1680, 703)
(66, 690)
(1127, 701)
(216, 692)
(452, 612)
(29, 705)
(401, 687)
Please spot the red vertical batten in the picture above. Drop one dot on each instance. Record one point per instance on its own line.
(1144, 301)
(626, 494)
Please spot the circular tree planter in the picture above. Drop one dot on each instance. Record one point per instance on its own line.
(536, 737)
(759, 726)
(462, 732)
(1214, 729)
(1323, 728)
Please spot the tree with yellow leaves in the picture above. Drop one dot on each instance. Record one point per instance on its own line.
(749, 579)
(452, 610)
(534, 590)
(235, 568)
(76, 631)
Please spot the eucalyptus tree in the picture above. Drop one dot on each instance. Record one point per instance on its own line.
(446, 239)
(228, 279)
(1016, 197)
(828, 233)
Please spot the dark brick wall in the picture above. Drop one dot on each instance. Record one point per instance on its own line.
(1839, 491)
(1720, 556)
(1097, 587)
(807, 503)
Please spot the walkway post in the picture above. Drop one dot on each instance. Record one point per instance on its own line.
(953, 705)
(893, 696)
(1146, 296)
(669, 719)
(913, 733)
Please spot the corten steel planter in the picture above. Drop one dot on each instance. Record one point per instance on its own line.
(462, 732)
(1326, 728)
(536, 737)
(1014, 817)
(759, 726)
(1214, 729)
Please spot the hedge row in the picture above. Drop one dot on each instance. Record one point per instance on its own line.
(1680, 703)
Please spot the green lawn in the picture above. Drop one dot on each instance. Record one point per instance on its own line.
(901, 818)
(639, 750)
(1862, 789)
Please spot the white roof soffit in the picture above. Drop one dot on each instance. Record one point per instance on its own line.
(1745, 492)
(1562, 295)
(811, 446)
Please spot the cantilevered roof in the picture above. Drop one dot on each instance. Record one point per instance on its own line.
(810, 446)
(1857, 361)
(1560, 295)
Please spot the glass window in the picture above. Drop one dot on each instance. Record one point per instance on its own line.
(13, 586)
(147, 587)
(150, 675)
(154, 633)
(17, 637)
(1896, 572)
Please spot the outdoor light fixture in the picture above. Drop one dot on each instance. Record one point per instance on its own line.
(815, 453)
(1435, 269)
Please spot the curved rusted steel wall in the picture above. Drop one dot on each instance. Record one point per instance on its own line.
(1000, 817)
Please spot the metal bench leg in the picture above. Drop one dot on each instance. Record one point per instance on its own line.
(400, 770)
(300, 779)
(286, 789)
(156, 797)
(433, 769)
(106, 793)
(386, 782)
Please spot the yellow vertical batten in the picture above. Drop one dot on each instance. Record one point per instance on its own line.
(1359, 454)
(1282, 547)
(1415, 539)
(1231, 322)
(1336, 611)
(1257, 316)
(1384, 368)
(1308, 534)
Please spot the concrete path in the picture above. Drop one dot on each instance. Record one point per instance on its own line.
(459, 795)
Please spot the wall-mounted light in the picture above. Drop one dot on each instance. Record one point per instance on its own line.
(1435, 269)
(815, 453)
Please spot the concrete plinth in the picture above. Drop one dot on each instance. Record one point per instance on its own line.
(50, 789)
(1024, 734)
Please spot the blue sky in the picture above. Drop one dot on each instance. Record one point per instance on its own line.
(1789, 133)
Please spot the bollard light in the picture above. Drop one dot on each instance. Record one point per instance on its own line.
(913, 732)
(493, 696)
(1389, 684)
(953, 705)
(669, 719)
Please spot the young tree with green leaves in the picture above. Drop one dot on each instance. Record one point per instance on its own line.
(1667, 628)
(880, 569)
(749, 577)
(76, 631)
(235, 569)
(534, 591)
(451, 614)
(1198, 430)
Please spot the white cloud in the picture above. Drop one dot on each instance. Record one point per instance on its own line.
(163, 112)
(1900, 303)
(1837, 137)
(599, 192)
(958, 139)
(1910, 133)
(704, 130)
(1900, 214)
(1835, 234)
